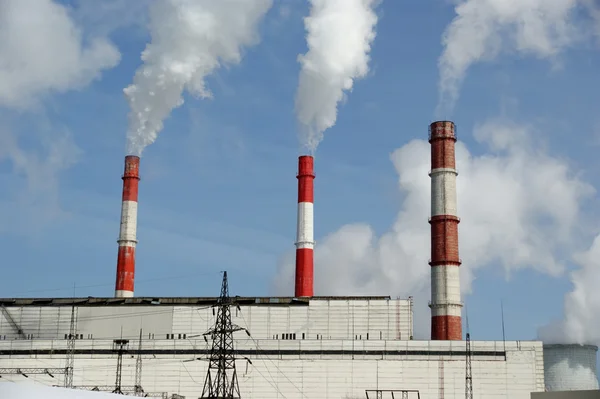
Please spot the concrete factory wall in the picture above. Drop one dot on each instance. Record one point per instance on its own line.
(377, 318)
(326, 369)
(566, 395)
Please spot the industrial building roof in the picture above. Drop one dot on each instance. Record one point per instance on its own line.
(174, 301)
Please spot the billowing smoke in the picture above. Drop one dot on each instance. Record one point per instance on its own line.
(519, 207)
(190, 39)
(484, 28)
(580, 324)
(339, 37)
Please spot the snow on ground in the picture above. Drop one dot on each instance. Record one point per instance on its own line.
(27, 390)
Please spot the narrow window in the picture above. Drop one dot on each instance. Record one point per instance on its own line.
(302, 335)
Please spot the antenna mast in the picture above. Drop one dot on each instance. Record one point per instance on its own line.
(221, 378)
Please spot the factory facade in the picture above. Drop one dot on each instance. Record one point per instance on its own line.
(326, 347)
(286, 347)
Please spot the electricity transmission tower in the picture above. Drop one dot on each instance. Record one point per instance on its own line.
(138, 369)
(70, 351)
(122, 347)
(221, 378)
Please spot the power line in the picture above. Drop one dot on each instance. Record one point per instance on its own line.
(112, 283)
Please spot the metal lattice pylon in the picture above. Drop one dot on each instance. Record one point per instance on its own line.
(221, 378)
(121, 344)
(468, 373)
(70, 361)
(139, 391)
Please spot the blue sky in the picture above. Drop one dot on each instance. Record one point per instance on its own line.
(218, 188)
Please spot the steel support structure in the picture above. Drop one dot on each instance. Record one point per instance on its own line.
(393, 393)
(468, 373)
(125, 390)
(70, 359)
(221, 378)
(138, 369)
(26, 371)
(121, 344)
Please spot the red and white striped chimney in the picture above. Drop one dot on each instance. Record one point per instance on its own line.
(127, 237)
(305, 234)
(446, 305)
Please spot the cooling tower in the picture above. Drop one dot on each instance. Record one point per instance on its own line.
(570, 367)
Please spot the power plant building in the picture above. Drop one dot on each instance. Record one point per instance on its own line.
(304, 346)
(326, 347)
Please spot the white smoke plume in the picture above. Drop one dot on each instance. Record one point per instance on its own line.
(519, 207)
(580, 324)
(190, 40)
(339, 37)
(483, 28)
(43, 51)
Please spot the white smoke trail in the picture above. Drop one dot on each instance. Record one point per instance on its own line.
(339, 37)
(190, 40)
(580, 324)
(483, 28)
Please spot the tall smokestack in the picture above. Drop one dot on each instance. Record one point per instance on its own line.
(446, 305)
(127, 237)
(305, 234)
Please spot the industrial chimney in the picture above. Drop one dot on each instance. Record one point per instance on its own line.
(127, 237)
(305, 234)
(446, 305)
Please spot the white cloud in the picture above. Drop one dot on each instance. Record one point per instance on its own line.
(35, 174)
(519, 208)
(483, 28)
(42, 51)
